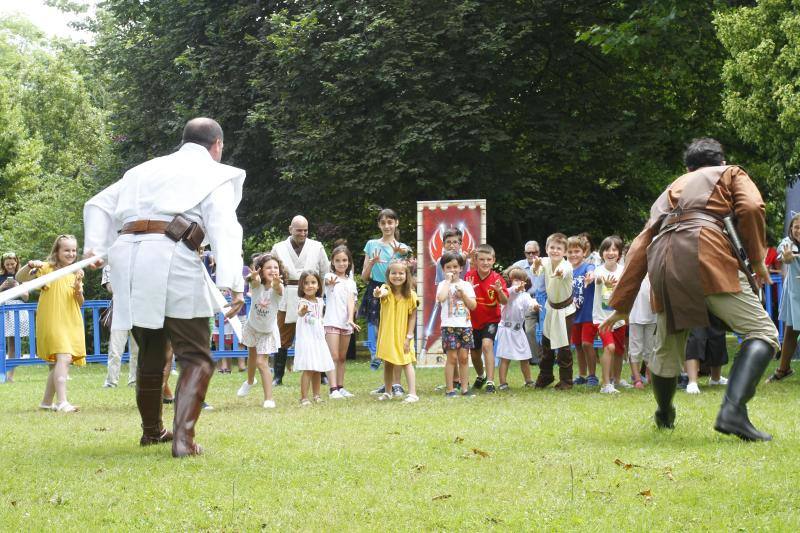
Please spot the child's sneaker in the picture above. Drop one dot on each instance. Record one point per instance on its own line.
(580, 380)
(380, 390)
(530, 384)
(245, 389)
(336, 395)
(609, 389)
(692, 388)
(398, 391)
(721, 381)
(269, 404)
(624, 384)
(207, 407)
(592, 381)
(108, 385)
(452, 394)
(384, 397)
(469, 393)
(346, 393)
(503, 386)
(411, 398)
(490, 388)
(305, 402)
(480, 381)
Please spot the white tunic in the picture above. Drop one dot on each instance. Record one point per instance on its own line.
(152, 275)
(511, 342)
(312, 257)
(558, 290)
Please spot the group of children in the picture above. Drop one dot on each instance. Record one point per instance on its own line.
(482, 316)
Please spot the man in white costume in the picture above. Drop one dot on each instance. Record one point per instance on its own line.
(297, 253)
(152, 223)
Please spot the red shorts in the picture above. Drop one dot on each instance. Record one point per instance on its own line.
(583, 333)
(615, 337)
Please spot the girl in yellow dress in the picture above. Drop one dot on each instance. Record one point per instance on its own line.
(59, 323)
(396, 329)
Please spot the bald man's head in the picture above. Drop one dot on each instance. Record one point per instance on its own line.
(203, 131)
(298, 229)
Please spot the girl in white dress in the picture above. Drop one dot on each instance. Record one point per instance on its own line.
(511, 343)
(340, 297)
(311, 353)
(259, 333)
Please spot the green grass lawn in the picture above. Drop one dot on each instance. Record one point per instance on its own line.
(524, 459)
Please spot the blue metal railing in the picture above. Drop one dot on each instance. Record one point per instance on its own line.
(94, 353)
(772, 301)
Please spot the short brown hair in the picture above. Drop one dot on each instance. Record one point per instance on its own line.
(262, 259)
(559, 238)
(303, 276)
(579, 241)
(516, 273)
(608, 242)
(484, 249)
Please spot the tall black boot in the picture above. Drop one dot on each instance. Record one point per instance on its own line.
(747, 369)
(664, 391)
(280, 366)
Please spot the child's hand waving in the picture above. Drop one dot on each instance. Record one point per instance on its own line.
(498, 285)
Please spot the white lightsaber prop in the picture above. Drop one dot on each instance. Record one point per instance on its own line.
(221, 302)
(40, 282)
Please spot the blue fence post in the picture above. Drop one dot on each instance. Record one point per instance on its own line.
(3, 344)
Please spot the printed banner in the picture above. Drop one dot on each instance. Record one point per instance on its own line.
(433, 218)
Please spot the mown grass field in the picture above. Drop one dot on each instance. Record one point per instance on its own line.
(519, 460)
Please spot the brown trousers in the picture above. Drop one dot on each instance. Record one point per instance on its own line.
(287, 330)
(562, 356)
(190, 338)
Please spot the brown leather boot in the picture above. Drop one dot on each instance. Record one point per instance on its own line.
(545, 377)
(564, 369)
(148, 400)
(190, 393)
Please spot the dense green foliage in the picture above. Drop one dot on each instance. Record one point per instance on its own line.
(761, 93)
(564, 114)
(567, 115)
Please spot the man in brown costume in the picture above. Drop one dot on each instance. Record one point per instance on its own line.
(693, 272)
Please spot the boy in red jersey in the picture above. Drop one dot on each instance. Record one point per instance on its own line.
(490, 293)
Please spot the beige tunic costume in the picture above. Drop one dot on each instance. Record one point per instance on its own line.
(312, 257)
(559, 289)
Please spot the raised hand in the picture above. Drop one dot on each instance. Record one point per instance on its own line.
(497, 285)
(588, 278)
(399, 248)
(332, 280)
(788, 255)
(376, 257)
(537, 263)
(35, 264)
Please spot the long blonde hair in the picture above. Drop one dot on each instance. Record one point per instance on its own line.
(53, 257)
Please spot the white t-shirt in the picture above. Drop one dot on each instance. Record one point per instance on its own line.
(454, 311)
(602, 294)
(642, 311)
(264, 303)
(336, 298)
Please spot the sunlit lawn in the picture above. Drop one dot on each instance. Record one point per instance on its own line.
(523, 459)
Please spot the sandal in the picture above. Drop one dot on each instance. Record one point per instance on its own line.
(46, 407)
(66, 407)
(779, 375)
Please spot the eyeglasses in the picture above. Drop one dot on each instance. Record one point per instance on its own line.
(532, 253)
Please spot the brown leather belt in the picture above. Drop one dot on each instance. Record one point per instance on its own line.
(179, 228)
(561, 305)
(698, 216)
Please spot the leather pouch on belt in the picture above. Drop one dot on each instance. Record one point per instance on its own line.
(177, 228)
